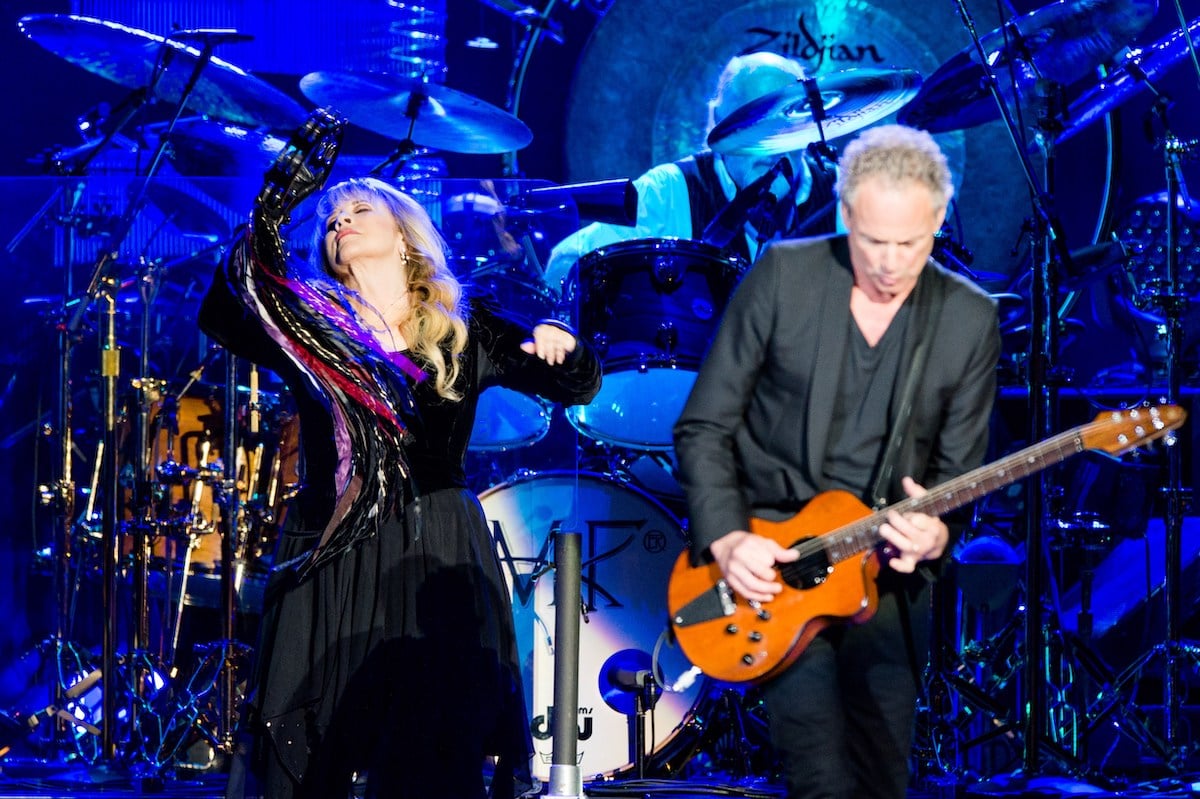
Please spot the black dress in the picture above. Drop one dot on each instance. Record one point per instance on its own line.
(397, 656)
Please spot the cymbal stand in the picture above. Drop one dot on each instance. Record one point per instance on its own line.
(407, 148)
(110, 365)
(59, 494)
(1174, 651)
(142, 516)
(232, 545)
(1043, 399)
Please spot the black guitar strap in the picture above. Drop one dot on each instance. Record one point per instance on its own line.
(928, 301)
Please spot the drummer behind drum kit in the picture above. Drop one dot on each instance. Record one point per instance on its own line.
(202, 524)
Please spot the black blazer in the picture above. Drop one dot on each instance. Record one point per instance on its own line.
(753, 433)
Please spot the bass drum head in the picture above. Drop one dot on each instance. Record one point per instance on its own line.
(629, 544)
(643, 80)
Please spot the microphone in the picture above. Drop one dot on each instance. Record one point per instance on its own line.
(612, 201)
(727, 224)
(631, 679)
(211, 36)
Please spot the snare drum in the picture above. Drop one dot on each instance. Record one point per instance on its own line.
(650, 306)
(630, 543)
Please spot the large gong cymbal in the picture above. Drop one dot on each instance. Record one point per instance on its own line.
(1137, 71)
(427, 114)
(1059, 43)
(128, 56)
(783, 121)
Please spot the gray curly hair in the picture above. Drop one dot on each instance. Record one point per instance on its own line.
(895, 153)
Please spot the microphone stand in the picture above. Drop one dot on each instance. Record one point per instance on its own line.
(566, 782)
(1049, 248)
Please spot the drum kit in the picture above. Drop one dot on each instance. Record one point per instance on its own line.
(197, 525)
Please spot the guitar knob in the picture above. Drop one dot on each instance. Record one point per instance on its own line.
(748, 659)
(764, 614)
(731, 629)
(755, 636)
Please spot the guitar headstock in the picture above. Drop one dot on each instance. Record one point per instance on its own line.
(1119, 431)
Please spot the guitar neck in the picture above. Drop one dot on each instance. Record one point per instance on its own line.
(863, 534)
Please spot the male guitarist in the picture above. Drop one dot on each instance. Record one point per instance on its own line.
(849, 362)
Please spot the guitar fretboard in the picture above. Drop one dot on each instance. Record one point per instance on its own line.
(862, 534)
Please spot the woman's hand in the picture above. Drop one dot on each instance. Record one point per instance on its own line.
(550, 343)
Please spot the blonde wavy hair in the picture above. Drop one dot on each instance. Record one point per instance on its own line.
(437, 324)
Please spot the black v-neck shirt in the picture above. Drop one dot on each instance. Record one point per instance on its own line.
(858, 429)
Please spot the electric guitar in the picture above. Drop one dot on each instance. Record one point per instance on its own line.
(837, 536)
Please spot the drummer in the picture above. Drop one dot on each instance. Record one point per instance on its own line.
(680, 199)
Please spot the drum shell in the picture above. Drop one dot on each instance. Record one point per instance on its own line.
(651, 308)
(506, 419)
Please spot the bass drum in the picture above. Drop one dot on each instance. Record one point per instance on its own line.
(629, 544)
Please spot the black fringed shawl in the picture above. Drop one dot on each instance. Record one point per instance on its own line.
(363, 388)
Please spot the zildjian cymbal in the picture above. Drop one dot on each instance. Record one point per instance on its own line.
(785, 120)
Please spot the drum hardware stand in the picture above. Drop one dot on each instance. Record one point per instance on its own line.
(727, 735)
(147, 391)
(228, 499)
(536, 25)
(404, 152)
(196, 525)
(1173, 651)
(973, 671)
(60, 493)
(1049, 255)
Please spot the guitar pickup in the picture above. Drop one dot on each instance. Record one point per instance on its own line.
(712, 604)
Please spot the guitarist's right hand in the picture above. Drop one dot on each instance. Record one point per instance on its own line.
(748, 563)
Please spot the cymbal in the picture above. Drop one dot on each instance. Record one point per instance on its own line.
(206, 148)
(128, 56)
(1061, 43)
(427, 114)
(782, 121)
(1139, 69)
(186, 212)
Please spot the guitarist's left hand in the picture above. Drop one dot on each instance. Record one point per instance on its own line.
(913, 537)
